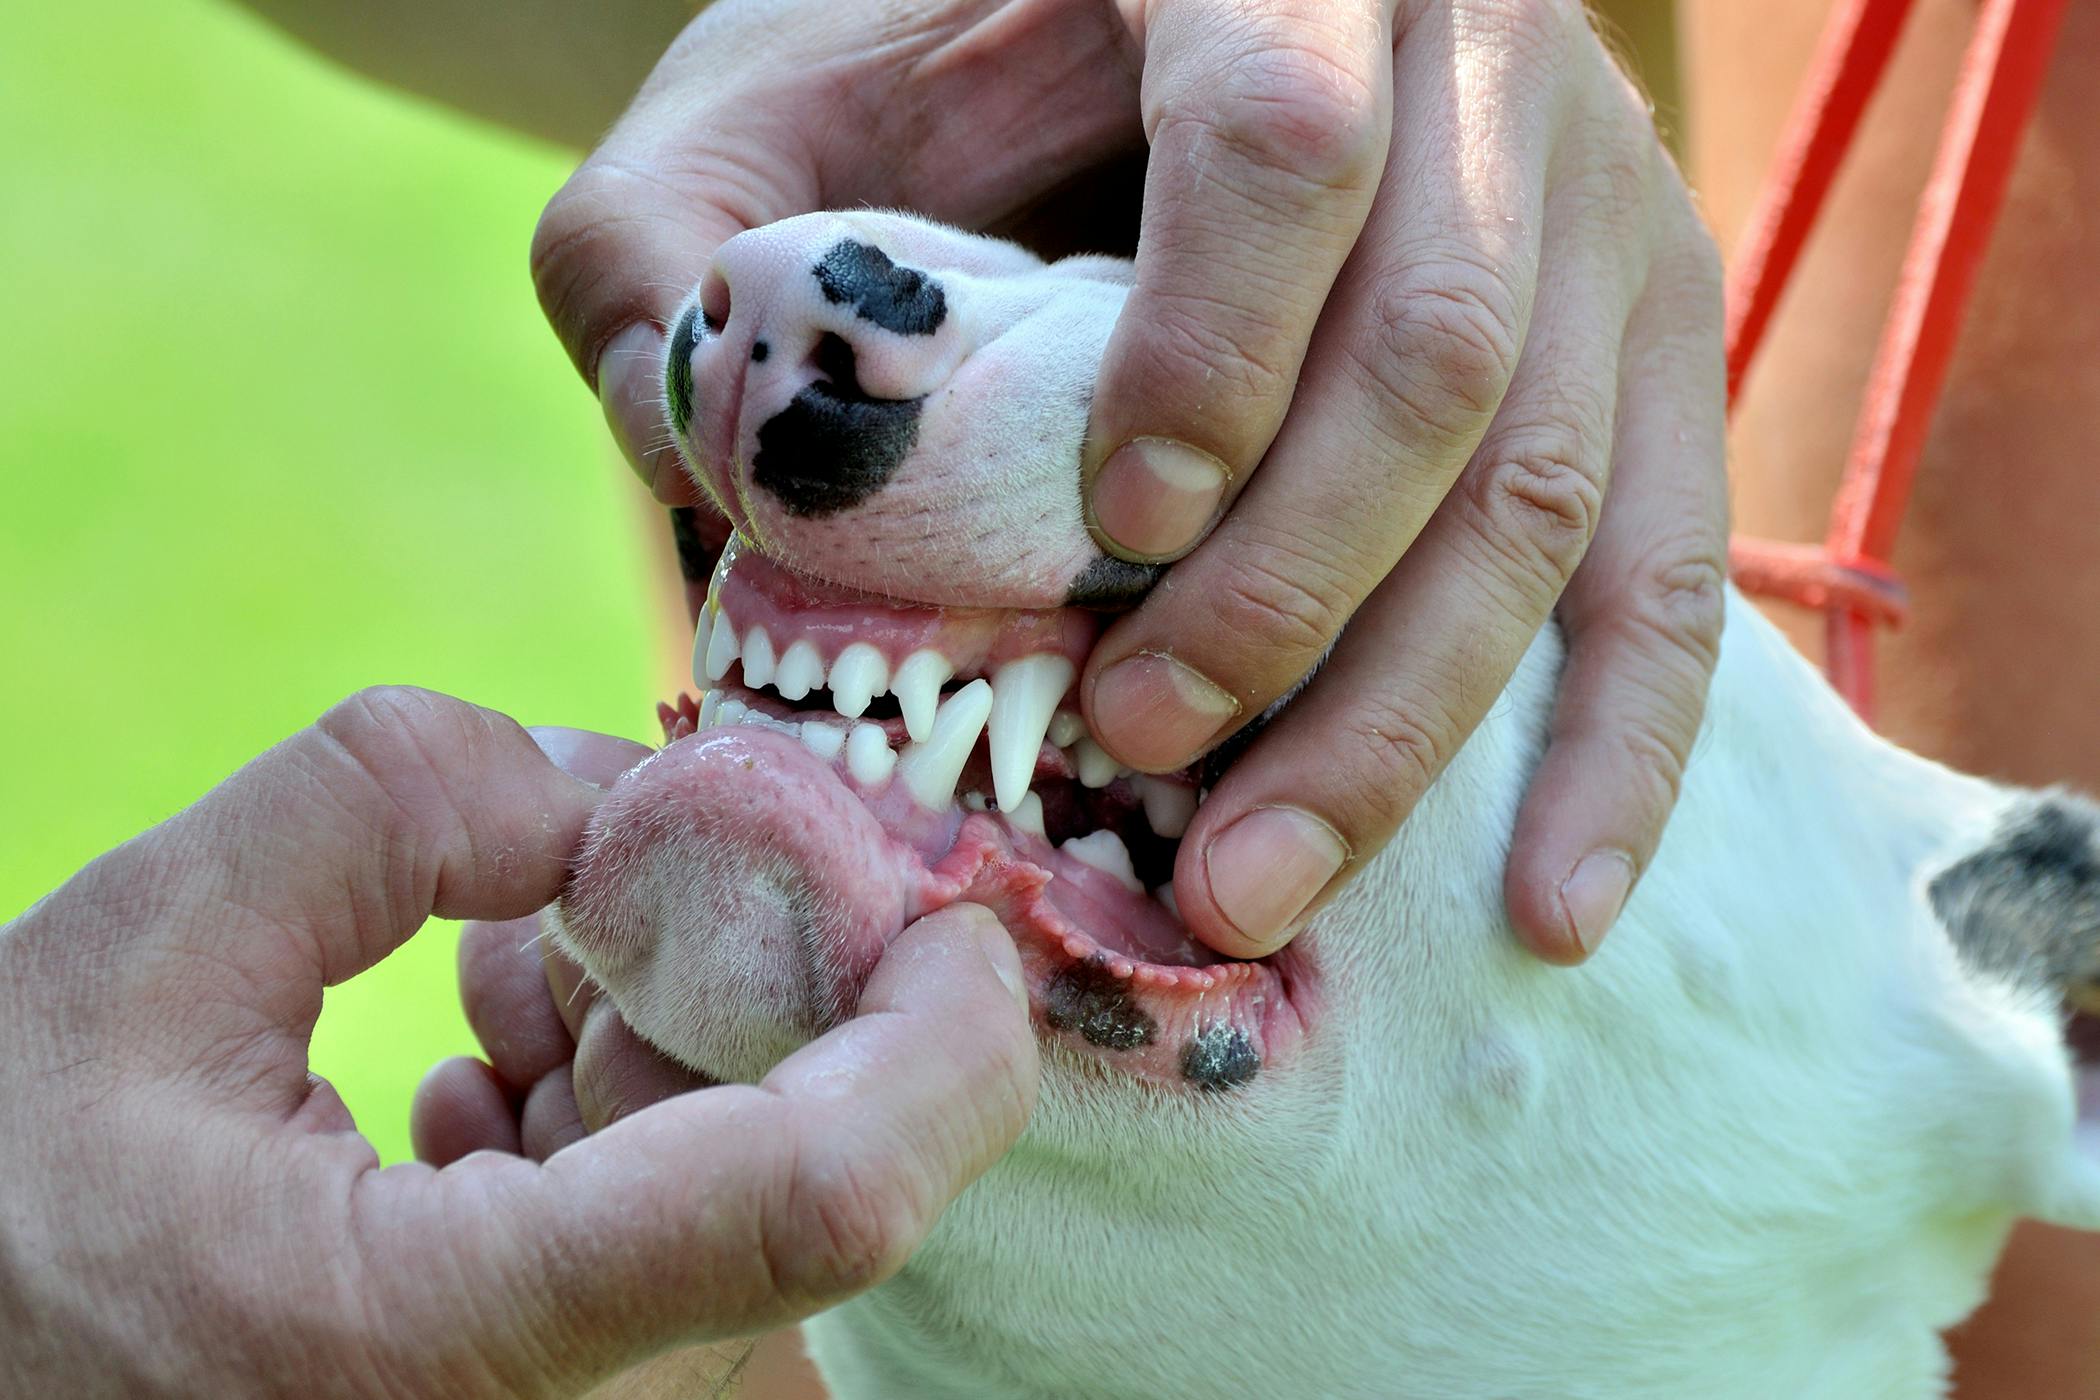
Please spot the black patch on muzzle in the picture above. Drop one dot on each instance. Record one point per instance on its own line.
(1088, 998)
(1221, 1057)
(678, 368)
(696, 558)
(1112, 584)
(833, 447)
(900, 299)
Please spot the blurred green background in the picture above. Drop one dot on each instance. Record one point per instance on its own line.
(279, 418)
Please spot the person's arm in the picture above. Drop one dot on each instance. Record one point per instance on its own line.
(558, 69)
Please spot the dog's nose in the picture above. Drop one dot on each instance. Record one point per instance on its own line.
(841, 345)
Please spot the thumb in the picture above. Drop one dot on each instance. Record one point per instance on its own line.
(729, 1210)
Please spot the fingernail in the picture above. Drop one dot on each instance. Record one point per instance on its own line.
(999, 951)
(1156, 713)
(1154, 498)
(1267, 866)
(1593, 894)
(631, 393)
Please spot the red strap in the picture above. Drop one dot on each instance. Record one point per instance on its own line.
(2001, 77)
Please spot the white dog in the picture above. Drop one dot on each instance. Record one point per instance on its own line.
(1768, 1142)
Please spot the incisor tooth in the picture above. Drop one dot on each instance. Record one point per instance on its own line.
(823, 740)
(800, 671)
(1096, 768)
(758, 658)
(1065, 727)
(1105, 851)
(1168, 806)
(728, 713)
(917, 686)
(721, 647)
(1029, 815)
(930, 768)
(859, 675)
(1165, 895)
(710, 705)
(1025, 693)
(869, 757)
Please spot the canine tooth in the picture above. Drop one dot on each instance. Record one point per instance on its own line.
(730, 712)
(710, 706)
(859, 675)
(721, 648)
(1168, 806)
(975, 802)
(800, 671)
(1105, 851)
(1029, 815)
(1096, 768)
(758, 658)
(1025, 693)
(823, 740)
(930, 768)
(917, 685)
(1165, 895)
(1065, 728)
(869, 757)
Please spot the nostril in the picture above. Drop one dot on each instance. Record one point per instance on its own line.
(833, 359)
(714, 300)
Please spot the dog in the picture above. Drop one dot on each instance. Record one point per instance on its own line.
(1767, 1142)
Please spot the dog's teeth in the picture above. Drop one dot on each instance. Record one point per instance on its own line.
(859, 675)
(1029, 815)
(758, 719)
(758, 658)
(931, 767)
(1025, 693)
(729, 713)
(721, 648)
(1165, 895)
(1096, 768)
(800, 671)
(869, 757)
(1168, 805)
(823, 740)
(918, 688)
(976, 802)
(1065, 728)
(1105, 851)
(710, 706)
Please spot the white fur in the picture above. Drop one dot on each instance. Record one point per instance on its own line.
(1767, 1142)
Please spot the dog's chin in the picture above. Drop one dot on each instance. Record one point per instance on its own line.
(736, 890)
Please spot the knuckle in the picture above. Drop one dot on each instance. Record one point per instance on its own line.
(383, 727)
(849, 1229)
(1293, 600)
(1537, 497)
(1442, 344)
(1390, 757)
(1682, 602)
(1228, 363)
(1294, 108)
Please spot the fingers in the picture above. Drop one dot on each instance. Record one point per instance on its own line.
(461, 1106)
(726, 1211)
(1268, 135)
(1643, 624)
(504, 993)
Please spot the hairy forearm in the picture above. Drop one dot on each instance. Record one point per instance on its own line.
(558, 69)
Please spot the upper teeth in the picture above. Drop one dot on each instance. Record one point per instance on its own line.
(1024, 697)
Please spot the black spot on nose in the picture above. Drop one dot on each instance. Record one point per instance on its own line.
(678, 368)
(900, 299)
(833, 447)
(759, 351)
(1220, 1057)
(1088, 998)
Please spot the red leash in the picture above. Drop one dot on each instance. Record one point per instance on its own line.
(1848, 577)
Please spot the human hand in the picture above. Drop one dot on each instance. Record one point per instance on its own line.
(190, 1210)
(1424, 265)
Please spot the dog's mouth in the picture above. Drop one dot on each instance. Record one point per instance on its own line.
(958, 732)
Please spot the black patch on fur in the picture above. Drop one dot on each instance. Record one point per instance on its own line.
(2027, 905)
(696, 559)
(1088, 998)
(900, 299)
(1219, 1058)
(678, 369)
(1112, 584)
(759, 351)
(833, 447)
